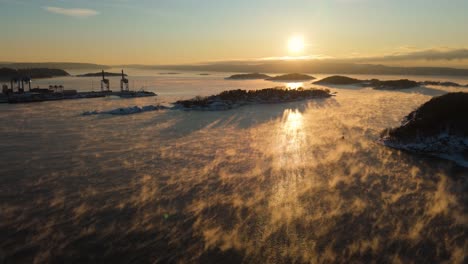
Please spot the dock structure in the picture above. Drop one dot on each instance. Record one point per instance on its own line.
(58, 92)
(17, 83)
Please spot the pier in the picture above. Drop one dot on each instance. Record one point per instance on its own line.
(54, 93)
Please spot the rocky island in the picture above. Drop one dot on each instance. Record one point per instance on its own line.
(439, 127)
(374, 83)
(248, 76)
(383, 85)
(291, 77)
(126, 110)
(99, 74)
(6, 74)
(236, 98)
(339, 80)
(392, 84)
(446, 84)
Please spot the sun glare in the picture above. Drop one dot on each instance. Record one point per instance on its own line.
(296, 44)
(295, 85)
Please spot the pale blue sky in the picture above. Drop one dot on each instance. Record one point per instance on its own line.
(176, 31)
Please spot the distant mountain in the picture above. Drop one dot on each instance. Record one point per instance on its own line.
(308, 66)
(53, 65)
(6, 74)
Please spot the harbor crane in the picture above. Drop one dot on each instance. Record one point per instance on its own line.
(124, 83)
(105, 84)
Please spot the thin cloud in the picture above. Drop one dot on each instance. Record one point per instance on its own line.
(73, 12)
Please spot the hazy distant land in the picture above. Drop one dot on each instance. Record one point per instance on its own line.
(6, 74)
(99, 74)
(270, 66)
(292, 77)
(53, 65)
(248, 76)
(309, 66)
(382, 85)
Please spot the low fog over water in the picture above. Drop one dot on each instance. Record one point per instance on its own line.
(285, 183)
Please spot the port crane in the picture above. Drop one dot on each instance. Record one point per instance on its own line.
(124, 83)
(105, 84)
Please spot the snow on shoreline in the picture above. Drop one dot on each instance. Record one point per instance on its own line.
(443, 146)
(126, 110)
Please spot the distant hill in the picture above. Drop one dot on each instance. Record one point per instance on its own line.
(53, 65)
(6, 74)
(308, 66)
(99, 74)
(393, 84)
(374, 83)
(291, 77)
(338, 80)
(248, 76)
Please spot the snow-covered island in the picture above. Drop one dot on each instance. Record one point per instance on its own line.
(438, 127)
(235, 98)
(126, 110)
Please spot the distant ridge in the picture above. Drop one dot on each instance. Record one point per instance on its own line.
(308, 66)
(248, 76)
(99, 74)
(6, 74)
(53, 65)
(270, 66)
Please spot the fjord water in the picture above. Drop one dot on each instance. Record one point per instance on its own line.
(285, 183)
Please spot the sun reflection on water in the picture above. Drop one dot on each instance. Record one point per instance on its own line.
(289, 163)
(294, 85)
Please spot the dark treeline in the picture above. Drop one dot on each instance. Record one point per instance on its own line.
(269, 95)
(442, 114)
(6, 74)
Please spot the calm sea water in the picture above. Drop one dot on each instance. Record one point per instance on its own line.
(287, 183)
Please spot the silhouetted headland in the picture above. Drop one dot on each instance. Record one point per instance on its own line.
(438, 127)
(374, 83)
(381, 85)
(392, 84)
(236, 98)
(291, 77)
(339, 80)
(6, 74)
(249, 76)
(453, 84)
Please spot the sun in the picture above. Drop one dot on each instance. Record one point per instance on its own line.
(296, 44)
